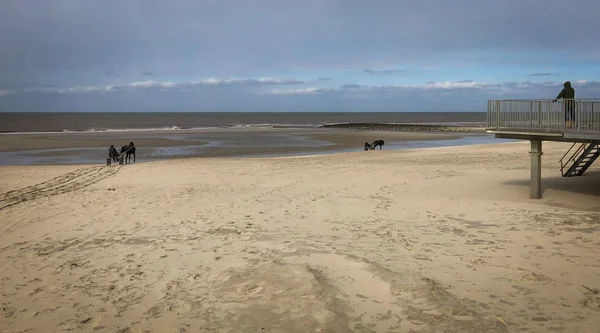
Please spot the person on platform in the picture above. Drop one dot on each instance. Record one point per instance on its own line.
(568, 95)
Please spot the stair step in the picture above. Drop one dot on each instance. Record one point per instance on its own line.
(582, 159)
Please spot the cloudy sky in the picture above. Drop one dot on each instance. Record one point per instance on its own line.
(293, 55)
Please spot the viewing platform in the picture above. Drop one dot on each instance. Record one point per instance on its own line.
(537, 120)
(545, 118)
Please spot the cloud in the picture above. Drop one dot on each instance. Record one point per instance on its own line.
(542, 74)
(7, 92)
(383, 71)
(147, 74)
(112, 73)
(300, 91)
(257, 85)
(270, 80)
(275, 94)
(61, 90)
(161, 85)
(323, 79)
(350, 86)
(515, 88)
(464, 84)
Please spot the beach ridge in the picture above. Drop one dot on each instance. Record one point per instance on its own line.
(431, 128)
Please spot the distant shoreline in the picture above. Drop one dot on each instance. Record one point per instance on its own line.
(409, 127)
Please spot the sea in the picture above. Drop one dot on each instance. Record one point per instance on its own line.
(150, 121)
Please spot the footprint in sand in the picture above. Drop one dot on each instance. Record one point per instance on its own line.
(591, 299)
(532, 276)
(249, 289)
(275, 297)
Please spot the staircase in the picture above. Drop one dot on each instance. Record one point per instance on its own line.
(583, 157)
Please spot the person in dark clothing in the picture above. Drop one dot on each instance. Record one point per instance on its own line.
(112, 153)
(568, 94)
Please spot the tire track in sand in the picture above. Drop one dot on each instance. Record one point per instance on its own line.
(68, 182)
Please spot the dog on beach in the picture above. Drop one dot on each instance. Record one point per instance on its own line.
(377, 143)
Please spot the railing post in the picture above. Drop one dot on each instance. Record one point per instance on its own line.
(531, 114)
(576, 115)
(593, 118)
(499, 111)
(549, 114)
(487, 114)
(539, 114)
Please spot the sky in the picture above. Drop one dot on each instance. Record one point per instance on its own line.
(293, 55)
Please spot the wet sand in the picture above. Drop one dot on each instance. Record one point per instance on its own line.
(345, 138)
(21, 142)
(435, 240)
(92, 147)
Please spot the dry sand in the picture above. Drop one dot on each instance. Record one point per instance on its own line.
(437, 240)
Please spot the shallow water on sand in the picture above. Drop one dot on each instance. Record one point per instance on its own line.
(402, 145)
(222, 146)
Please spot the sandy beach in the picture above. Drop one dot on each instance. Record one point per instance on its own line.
(429, 240)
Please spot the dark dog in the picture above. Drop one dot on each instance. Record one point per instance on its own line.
(128, 150)
(378, 143)
(368, 146)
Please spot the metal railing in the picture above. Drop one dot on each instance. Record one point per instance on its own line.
(545, 115)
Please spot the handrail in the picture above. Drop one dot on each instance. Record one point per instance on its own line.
(581, 148)
(549, 99)
(545, 115)
(562, 158)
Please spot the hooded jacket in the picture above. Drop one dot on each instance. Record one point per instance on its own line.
(567, 93)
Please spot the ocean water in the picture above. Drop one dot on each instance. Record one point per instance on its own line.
(107, 122)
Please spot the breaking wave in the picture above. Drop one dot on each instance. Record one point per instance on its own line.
(172, 128)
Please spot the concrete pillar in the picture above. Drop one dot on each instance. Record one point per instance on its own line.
(536, 169)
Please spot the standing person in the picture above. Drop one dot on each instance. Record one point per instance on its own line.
(568, 94)
(112, 153)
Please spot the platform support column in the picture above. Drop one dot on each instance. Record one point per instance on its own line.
(536, 169)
